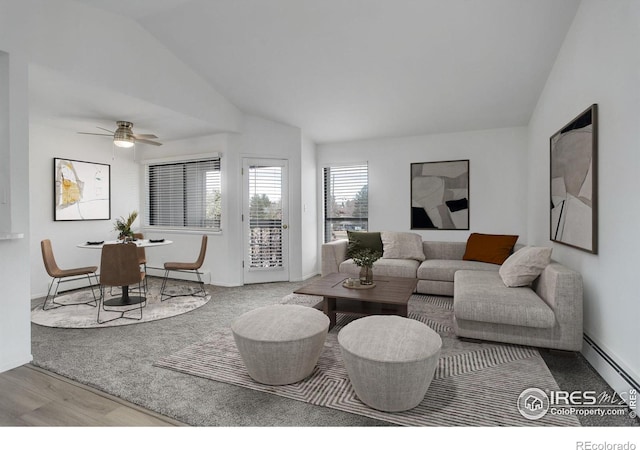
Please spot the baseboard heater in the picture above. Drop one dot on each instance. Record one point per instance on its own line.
(619, 370)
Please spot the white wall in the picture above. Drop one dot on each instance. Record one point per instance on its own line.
(308, 178)
(45, 143)
(15, 324)
(599, 63)
(5, 207)
(497, 192)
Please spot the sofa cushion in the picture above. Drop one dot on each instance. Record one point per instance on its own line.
(443, 249)
(524, 266)
(481, 296)
(444, 269)
(402, 245)
(405, 268)
(360, 240)
(490, 248)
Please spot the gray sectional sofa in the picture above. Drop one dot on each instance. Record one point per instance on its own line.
(548, 313)
(435, 274)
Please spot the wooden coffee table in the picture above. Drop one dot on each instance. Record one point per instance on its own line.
(389, 296)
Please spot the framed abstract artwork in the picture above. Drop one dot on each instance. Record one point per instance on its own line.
(440, 195)
(574, 182)
(82, 190)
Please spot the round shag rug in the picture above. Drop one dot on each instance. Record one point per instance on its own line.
(85, 316)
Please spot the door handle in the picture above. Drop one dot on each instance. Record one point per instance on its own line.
(285, 226)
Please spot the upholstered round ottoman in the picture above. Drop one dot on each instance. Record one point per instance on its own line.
(390, 360)
(280, 344)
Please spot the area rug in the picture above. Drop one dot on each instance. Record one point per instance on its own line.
(475, 384)
(85, 316)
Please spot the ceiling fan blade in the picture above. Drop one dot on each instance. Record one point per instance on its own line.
(112, 132)
(145, 136)
(95, 134)
(145, 141)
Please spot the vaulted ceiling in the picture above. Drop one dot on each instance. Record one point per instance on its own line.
(358, 69)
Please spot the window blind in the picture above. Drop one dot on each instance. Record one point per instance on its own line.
(346, 200)
(185, 194)
(265, 217)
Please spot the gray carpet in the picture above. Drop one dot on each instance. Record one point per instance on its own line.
(119, 361)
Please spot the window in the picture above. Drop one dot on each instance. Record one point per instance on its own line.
(346, 200)
(184, 194)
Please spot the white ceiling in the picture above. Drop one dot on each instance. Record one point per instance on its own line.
(357, 69)
(58, 101)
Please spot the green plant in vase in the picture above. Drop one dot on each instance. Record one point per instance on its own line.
(123, 226)
(364, 259)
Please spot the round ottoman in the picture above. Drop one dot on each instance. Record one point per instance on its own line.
(390, 360)
(280, 344)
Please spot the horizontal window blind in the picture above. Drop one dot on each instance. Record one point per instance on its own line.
(346, 200)
(185, 194)
(265, 217)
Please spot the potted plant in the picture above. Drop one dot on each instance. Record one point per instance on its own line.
(123, 226)
(364, 259)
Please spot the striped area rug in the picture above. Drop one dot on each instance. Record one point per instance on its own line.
(475, 384)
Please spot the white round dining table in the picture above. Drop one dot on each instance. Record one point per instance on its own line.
(125, 299)
(139, 242)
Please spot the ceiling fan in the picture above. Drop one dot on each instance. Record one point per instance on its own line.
(124, 136)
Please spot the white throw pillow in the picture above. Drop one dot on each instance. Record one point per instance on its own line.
(401, 245)
(524, 266)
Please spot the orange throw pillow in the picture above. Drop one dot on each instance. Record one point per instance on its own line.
(490, 248)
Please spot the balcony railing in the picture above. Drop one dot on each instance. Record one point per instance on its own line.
(265, 243)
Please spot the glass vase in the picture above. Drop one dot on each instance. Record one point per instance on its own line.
(366, 275)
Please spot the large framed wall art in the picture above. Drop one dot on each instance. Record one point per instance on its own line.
(440, 195)
(82, 190)
(574, 183)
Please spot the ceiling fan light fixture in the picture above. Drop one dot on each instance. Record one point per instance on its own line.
(123, 137)
(124, 142)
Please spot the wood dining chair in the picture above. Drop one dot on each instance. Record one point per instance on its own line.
(142, 261)
(59, 275)
(193, 267)
(119, 267)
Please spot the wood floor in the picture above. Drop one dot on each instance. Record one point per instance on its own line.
(30, 396)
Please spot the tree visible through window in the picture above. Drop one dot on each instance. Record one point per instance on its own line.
(346, 200)
(184, 195)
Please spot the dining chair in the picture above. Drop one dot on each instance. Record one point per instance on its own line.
(119, 267)
(193, 267)
(142, 257)
(142, 261)
(59, 275)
